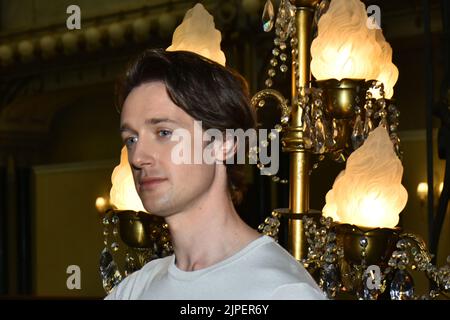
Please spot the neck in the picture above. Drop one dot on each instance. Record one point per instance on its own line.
(209, 232)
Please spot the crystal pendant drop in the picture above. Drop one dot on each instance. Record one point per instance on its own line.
(308, 136)
(130, 264)
(383, 120)
(365, 292)
(347, 277)
(368, 124)
(396, 142)
(393, 113)
(358, 133)
(109, 271)
(285, 21)
(335, 131)
(319, 143)
(330, 141)
(329, 280)
(321, 10)
(402, 286)
(268, 16)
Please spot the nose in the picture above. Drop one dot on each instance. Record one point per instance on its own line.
(141, 155)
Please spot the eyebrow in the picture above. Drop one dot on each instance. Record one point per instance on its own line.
(152, 121)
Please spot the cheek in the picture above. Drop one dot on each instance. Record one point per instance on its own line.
(192, 175)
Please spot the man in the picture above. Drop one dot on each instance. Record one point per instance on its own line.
(216, 254)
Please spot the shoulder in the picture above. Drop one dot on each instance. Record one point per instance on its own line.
(271, 261)
(272, 256)
(135, 283)
(298, 291)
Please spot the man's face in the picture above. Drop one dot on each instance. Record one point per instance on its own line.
(148, 121)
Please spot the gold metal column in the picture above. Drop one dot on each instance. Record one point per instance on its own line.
(293, 141)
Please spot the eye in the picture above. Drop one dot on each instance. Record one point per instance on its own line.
(164, 133)
(130, 141)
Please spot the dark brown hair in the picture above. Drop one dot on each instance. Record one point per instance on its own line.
(204, 89)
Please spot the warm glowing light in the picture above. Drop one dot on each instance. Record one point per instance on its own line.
(197, 33)
(123, 195)
(101, 204)
(440, 187)
(422, 190)
(346, 48)
(388, 71)
(369, 193)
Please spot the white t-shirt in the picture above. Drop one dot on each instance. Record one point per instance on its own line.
(261, 270)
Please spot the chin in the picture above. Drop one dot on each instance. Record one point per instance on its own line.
(158, 209)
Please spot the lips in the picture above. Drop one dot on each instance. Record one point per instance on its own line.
(150, 182)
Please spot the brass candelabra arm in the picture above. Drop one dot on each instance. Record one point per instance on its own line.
(258, 101)
(144, 237)
(366, 263)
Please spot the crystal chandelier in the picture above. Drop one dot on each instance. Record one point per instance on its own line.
(361, 252)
